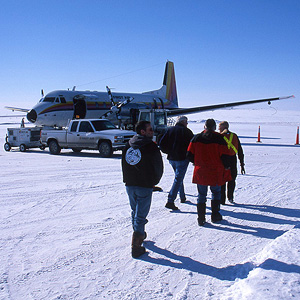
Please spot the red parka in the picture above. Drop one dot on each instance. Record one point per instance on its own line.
(205, 151)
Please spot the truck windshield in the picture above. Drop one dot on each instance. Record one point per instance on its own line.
(160, 118)
(103, 125)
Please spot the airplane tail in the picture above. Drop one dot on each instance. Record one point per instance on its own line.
(170, 83)
(168, 90)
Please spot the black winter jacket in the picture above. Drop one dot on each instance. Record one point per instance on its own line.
(142, 163)
(176, 141)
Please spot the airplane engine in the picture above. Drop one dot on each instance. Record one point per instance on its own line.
(32, 116)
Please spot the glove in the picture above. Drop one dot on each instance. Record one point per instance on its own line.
(243, 169)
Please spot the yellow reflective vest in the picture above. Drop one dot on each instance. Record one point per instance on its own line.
(232, 141)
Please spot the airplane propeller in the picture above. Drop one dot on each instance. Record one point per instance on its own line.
(115, 107)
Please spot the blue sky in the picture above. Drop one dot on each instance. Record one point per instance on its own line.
(223, 51)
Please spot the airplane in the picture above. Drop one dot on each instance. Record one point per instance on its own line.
(58, 107)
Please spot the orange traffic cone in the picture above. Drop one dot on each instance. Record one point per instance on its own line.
(297, 136)
(258, 136)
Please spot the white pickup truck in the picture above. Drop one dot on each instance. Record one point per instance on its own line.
(96, 134)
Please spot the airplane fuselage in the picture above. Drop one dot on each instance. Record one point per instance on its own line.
(57, 107)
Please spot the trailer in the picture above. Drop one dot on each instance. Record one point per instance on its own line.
(24, 138)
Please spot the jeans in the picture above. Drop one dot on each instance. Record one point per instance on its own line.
(179, 167)
(140, 201)
(202, 193)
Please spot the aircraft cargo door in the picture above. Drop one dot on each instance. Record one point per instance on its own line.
(79, 106)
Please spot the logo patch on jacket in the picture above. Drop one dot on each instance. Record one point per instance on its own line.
(133, 156)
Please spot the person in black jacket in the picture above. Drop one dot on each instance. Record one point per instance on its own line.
(175, 143)
(142, 168)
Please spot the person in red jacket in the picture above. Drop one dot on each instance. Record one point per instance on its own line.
(206, 151)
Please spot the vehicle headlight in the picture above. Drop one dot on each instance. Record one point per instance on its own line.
(119, 138)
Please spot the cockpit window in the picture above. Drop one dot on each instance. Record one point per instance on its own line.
(103, 125)
(62, 99)
(49, 99)
(57, 100)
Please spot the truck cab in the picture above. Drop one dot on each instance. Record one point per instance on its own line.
(157, 118)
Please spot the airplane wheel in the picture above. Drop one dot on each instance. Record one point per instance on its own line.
(42, 147)
(105, 149)
(76, 150)
(22, 148)
(7, 147)
(54, 147)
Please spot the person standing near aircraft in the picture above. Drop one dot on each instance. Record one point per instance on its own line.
(22, 123)
(175, 143)
(235, 148)
(206, 151)
(142, 168)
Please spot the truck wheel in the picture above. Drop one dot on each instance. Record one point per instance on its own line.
(54, 147)
(22, 148)
(76, 150)
(105, 149)
(7, 147)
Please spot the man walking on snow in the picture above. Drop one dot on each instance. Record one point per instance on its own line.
(175, 143)
(142, 168)
(205, 152)
(235, 148)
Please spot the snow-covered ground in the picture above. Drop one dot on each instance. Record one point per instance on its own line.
(65, 230)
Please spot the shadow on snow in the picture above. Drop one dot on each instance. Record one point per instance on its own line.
(229, 273)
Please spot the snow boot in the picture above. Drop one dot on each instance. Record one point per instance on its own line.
(201, 209)
(136, 246)
(215, 211)
(171, 205)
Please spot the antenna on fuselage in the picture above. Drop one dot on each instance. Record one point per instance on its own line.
(42, 92)
(74, 87)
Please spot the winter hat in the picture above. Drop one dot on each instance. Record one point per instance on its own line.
(210, 124)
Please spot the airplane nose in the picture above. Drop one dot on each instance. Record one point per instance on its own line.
(31, 116)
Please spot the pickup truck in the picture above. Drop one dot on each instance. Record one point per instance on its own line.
(95, 134)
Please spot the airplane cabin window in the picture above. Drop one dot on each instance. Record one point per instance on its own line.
(74, 126)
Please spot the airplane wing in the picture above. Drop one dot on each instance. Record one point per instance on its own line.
(181, 111)
(17, 109)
